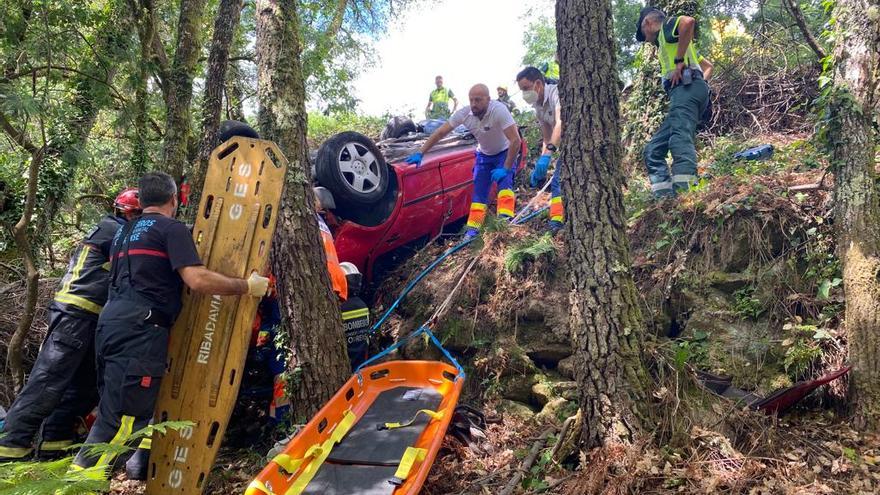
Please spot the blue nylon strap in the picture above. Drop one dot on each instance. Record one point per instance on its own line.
(451, 359)
(421, 330)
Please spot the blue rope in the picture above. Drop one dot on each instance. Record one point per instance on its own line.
(421, 330)
(412, 284)
(532, 215)
(424, 329)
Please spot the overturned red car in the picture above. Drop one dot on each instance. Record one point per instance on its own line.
(385, 208)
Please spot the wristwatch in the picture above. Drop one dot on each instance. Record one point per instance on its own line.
(551, 148)
(678, 61)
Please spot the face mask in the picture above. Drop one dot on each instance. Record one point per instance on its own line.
(530, 96)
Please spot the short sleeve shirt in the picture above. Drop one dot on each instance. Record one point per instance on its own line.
(146, 257)
(546, 109)
(489, 130)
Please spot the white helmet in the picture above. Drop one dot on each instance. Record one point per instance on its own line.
(349, 268)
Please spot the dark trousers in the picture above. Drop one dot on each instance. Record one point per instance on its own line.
(61, 387)
(131, 355)
(676, 136)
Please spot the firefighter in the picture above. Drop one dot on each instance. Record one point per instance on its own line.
(499, 144)
(152, 258)
(544, 98)
(62, 385)
(355, 317)
(438, 101)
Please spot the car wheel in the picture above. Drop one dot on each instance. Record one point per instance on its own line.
(398, 127)
(352, 168)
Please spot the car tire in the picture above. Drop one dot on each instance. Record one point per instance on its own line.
(398, 127)
(351, 166)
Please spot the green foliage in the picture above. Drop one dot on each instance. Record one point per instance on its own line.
(534, 479)
(803, 346)
(531, 249)
(337, 45)
(321, 127)
(747, 305)
(694, 351)
(40, 478)
(671, 231)
(539, 39)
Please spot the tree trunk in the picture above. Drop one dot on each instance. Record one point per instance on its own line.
(797, 14)
(235, 93)
(23, 244)
(178, 98)
(605, 320)
(319, 364)
(857, 212)
(228, 15)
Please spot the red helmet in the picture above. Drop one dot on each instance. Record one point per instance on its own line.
(127, 201)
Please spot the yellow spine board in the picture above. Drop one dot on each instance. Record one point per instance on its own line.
(209, 342)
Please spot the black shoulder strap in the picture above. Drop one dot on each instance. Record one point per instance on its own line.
(126, 245)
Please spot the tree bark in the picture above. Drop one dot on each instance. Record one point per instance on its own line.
(857, 211)
(228, 15)
(23, 244)
(605, 320)
(235, 93)
(178, 97)
(319, 364)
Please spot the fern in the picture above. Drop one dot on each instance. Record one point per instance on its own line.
(530, 250)
(55, 477)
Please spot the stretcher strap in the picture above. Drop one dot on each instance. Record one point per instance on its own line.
(410, 458)
(257, 487)
(423, 330)
(315, 455)
(438, 415)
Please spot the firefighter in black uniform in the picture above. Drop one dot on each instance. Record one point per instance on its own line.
(62, 384)
(152, 258)
(355, 317)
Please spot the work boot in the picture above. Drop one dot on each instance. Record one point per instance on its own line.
(470, 234)
(554, 227)
(15, 454)
(53, 450)
(136, 466)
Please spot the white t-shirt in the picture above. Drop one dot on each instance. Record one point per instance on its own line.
(489, 130)
(546, 110)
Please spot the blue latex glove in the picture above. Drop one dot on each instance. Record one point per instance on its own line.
(534, 180)
(539, 174)
(541, 167)
(499, 174)
(415, 158)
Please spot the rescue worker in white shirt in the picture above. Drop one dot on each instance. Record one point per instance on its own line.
(499, 144)
(62, 385)
(544, 98)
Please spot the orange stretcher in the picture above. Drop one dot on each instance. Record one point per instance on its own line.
(379, 435)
